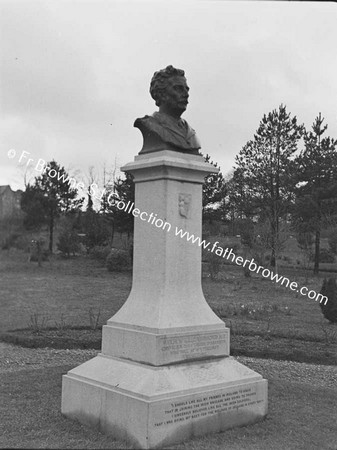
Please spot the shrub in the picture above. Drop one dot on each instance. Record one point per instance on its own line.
(215, 260)
(246, 231)
(118, 260)
(9, 241)
(215, 263)
(37, 251)
(16, 240)
(94, 318)
(37, 322)
(325, 256)
(286, 258)
(68, 242)
(34, 257)
(127, 245)
(332, 239)
(329, 289)
(207, 254)
(100, 252)
(96, 229)
(130, 250)
(23, 243)
(305, 241)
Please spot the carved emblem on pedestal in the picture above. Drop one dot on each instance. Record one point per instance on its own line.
(184, 205)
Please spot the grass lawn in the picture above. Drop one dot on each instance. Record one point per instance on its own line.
(266, 319)
(300, 417)
(60, 290)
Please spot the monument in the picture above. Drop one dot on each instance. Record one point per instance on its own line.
(165, 373)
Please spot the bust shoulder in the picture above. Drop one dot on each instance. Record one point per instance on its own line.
(161, 131)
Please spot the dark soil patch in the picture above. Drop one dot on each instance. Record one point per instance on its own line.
(284, 349)
(67, 338)
(268, 347)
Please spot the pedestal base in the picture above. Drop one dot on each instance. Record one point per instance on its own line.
(162, 347)
(153, 407)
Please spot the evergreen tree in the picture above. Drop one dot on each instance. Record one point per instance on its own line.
(34, 205)
(213, 195)
(96, 229)
(49, 196)
(317, 176)
(124, 190)
(240, 197)
(265, 172)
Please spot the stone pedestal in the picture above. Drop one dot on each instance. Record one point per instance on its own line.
(165, 374)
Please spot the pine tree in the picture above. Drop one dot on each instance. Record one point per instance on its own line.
(49, 196)
(265, 172)
(213, 195)
(317, 176)
(124, 190)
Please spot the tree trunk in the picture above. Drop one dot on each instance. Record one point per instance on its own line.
(246, 253)
(276, 266)
(273, 244)
(232, 219)
(112, 233)
(51, 231)
(39, 253)
(317, 250)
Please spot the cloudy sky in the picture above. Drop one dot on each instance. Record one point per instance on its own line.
(75, 74)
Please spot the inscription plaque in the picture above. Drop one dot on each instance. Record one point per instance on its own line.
(195, 345)
(206, 405)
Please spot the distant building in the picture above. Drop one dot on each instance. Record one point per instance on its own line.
(9, 202)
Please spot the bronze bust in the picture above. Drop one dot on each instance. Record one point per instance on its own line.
(165, 130)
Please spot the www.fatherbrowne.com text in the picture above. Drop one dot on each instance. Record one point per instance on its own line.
(251, 264)
(113, 198)
(227, 253)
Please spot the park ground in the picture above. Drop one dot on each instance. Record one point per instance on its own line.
(63, 304)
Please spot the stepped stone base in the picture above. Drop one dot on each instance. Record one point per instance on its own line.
(153, 406)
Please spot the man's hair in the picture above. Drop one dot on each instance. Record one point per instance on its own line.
(159, 81)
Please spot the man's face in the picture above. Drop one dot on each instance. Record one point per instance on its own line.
(175, 98)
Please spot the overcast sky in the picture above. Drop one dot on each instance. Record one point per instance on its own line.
(75, 74)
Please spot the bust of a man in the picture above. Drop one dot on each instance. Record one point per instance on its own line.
(164, 129)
